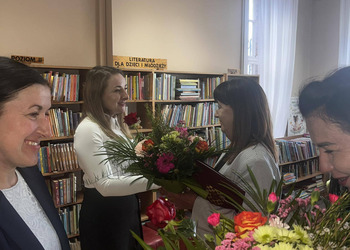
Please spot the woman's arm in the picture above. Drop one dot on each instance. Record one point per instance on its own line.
(108, 179)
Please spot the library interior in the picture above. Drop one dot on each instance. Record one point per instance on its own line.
(160, 108)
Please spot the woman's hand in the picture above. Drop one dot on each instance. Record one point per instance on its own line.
(182, 201)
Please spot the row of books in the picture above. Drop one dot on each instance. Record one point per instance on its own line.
(64, 190)
(70, 218)
(217, 138)
(168, 87)
(138, 86)
(295, 149)
(164, 86)
(208, 85)
(187, 89)
(195, 115)
(63, 122)
(308, 186)
(57, 157)
(65, 87)
(301, 169)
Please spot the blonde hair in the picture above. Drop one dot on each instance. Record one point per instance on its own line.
(96, 83)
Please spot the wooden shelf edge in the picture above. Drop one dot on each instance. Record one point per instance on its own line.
(144, 217)
(57, 138)
(70, 236)
(300, 179)
(54, 103)
(293, 162)
(60, 67)
(183, 101)
(80, 196)
(61, 172)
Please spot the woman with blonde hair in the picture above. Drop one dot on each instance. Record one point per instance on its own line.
(110, 208)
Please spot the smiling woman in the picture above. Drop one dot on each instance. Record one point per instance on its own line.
(325, 105)
(29, 219)
(110, 207)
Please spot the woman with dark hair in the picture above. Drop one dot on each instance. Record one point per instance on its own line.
(28, 218)
(325, 105)
(245, 119)
(110, 208)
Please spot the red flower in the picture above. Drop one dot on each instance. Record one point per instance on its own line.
(214, 219)
(202, 146)
(161, 212)
(131, 119)
(333, 198)
(164, 163)
(147, 145)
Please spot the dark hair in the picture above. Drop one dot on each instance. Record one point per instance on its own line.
(252, 120)
(14, 77)
(96, 83)
(328, 99)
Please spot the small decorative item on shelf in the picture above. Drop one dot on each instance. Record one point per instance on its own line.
(166, 156)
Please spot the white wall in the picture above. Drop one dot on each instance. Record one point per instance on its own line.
(193, 35)
(63, 32)
(317, 41)
(325, 36)
(303, 45)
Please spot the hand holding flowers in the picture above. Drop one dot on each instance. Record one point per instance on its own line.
(166, 156)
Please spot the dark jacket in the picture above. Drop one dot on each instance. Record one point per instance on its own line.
(14, 233)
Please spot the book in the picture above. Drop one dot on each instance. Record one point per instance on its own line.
(216, 184)
(56, 192)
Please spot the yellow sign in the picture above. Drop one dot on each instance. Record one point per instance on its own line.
(139, 62)
(28, 59)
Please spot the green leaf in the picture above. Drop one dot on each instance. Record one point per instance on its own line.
(141, 242)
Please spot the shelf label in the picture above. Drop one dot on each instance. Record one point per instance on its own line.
(139, 62)
(28, 59)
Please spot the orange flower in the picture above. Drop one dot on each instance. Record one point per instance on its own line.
(202, 146)
(248, 221)
(147, 145)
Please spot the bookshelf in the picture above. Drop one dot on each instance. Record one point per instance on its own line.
(57, 160)
(160, 88)
(299, 164)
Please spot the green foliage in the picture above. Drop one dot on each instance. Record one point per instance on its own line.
(166, 156)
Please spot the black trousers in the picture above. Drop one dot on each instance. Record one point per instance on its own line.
(105, 222)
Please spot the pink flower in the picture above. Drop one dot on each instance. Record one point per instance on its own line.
(273, 197)
(164, 163)
(138, 149)
(183, 131)
(333, 198)
(214, 219)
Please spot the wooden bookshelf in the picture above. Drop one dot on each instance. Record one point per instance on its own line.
(67, 169)
(298, 156)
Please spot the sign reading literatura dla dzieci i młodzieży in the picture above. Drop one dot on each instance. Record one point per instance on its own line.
(139, 62)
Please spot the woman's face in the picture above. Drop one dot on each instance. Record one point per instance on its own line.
(225, 115)
(334, 147)
(115, 95)
(23, 122)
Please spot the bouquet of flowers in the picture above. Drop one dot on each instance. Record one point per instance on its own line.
(166, 156)
(292, 222)
(295, 223)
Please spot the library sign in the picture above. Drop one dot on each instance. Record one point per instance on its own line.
(28, 59)
(139, 62)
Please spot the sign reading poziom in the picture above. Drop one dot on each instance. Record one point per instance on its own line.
(28, 59)
(139, 62)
